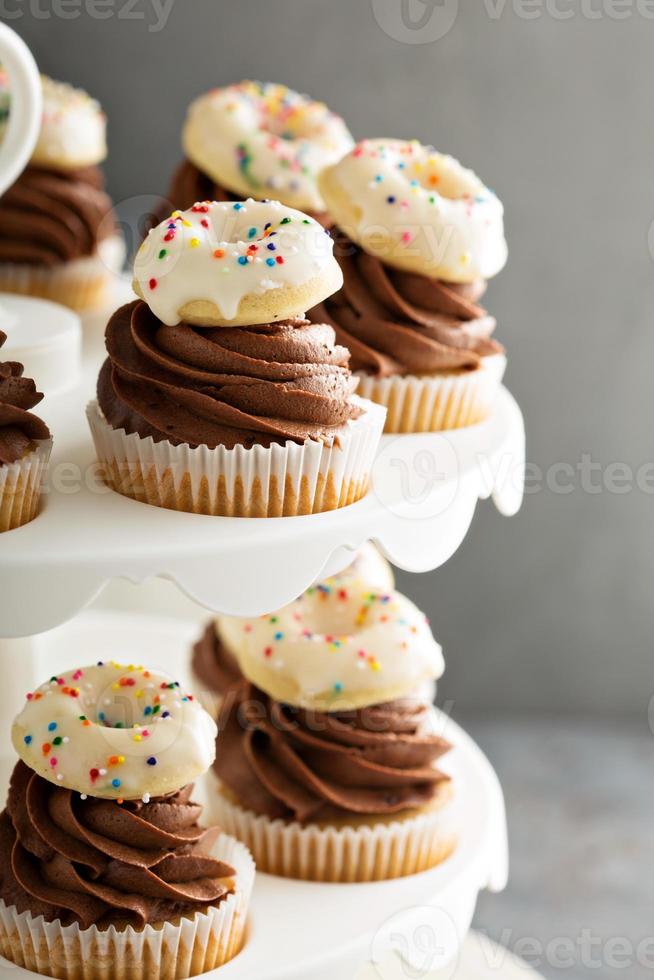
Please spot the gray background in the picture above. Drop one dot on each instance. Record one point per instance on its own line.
(549, 612)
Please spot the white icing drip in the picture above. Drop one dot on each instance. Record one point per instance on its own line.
(419, 209)
(210, 252)
(255, 138)
(63, 736)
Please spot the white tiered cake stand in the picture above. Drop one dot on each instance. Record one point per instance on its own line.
(423, 496)
(424, 493)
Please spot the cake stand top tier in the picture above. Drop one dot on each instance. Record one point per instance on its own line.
(423, 495)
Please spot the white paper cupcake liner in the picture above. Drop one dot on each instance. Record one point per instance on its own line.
(171, 951)
(436, 402)
(357, 853)
(20, 487)
(81, 284)
(279, 481)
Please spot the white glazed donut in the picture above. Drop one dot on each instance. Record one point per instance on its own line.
(339, 646)
(73, 130)
(235, 263)
(264, 140)
(115, 732)
(417, 209)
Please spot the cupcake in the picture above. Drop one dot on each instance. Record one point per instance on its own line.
(215, 663)
(218, 396)
(25, 446)
(258, 140)
(327, 761)
(58, 234)
(418, 237)
(105, 869)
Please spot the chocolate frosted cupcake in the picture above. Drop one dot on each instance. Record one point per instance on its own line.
(217, 395)
(258, 140)
(338, 796)
(414, 342)
(424, 235)
(327, 759)
(58, 234)
(98, 865)
(25, 446)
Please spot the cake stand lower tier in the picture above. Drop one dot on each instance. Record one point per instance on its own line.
(300, 930)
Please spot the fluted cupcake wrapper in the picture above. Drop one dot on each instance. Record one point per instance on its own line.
(436, 402)
(279, 481)
(81, 284)
(170, 951)
(357, 853)
(20, 487)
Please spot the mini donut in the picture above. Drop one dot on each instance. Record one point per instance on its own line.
(416, 209)
(339, 646)
(115, 732)
(235, 263)
(73, 129)
(263, 140)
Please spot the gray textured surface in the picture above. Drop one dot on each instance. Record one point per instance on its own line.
(552, 608)
(579, 799)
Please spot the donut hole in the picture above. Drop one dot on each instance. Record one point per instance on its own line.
(125, 705)
(447, 178)
(114, 710)
(330, 622)
(289, 124)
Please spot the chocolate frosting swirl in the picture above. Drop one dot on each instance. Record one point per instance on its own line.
(397, 322)
(213, 663)
(262, 384)
(190, 185)
(19, 429)
(311, 766)
(97, 862)
(48, 217)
